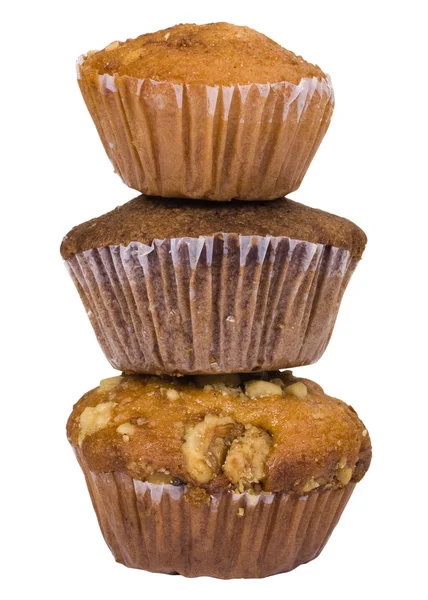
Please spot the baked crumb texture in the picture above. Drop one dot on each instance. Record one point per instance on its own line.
(212, 434)
(145, 219)
(207, 112)
(213, 54)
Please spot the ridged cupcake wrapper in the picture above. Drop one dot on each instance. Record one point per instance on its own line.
(214, 304)
(153, 527)
(209, 142)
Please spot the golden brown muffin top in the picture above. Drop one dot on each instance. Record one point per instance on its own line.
(271, 432)
(213, 54)
(147, 218)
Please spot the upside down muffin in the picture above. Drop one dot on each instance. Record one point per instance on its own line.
(210, 111)
(239, 287)
(224, 476)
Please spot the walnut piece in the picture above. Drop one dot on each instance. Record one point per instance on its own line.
(172, 394)
(311, 484)
(343, 474)
(108, 384)
(298, 389)
(126, 429)
(246, 459)
(112, 46)
(206, 444)
(94, 418)
(257, 388)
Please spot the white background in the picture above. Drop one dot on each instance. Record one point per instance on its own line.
(371, 168)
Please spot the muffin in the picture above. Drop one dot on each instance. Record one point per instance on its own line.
(182, 287)
(224, 476)
(207, 111)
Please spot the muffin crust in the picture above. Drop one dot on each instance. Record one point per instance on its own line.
(287, 436)
(146, 218)
(213, 54)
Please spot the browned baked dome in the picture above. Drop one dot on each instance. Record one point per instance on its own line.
(213, 54)
(275, 433)
(147, 218)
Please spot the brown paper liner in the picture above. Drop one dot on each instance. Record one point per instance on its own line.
(152, 527)
(215, 304)
(249, 142)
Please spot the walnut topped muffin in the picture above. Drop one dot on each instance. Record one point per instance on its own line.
(184, 472)
(207, 112)
(274, 432)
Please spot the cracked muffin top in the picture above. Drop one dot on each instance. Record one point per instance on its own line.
(268, 432)
(145, 218)
(212, 54)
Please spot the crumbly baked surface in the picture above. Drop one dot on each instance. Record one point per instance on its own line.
(271, 432)
(213, 54)
(146, 218)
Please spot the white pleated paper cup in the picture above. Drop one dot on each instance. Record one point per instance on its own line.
(214, 304)
(248, 142)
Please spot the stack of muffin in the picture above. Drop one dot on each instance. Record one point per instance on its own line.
(203, 458)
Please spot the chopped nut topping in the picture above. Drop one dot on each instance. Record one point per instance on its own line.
(172, 395)
(94, 418)
(206, 445)
(126, 428)
(298, 389)
(108, 384)
(257, 389)
(221, 443)
(241, 512)
(246, 459)
(311, 484)
(343, 474)
(112, 46)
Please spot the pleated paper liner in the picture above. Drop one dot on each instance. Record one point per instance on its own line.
(214, 304)
(153, 527)
(246, 142)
